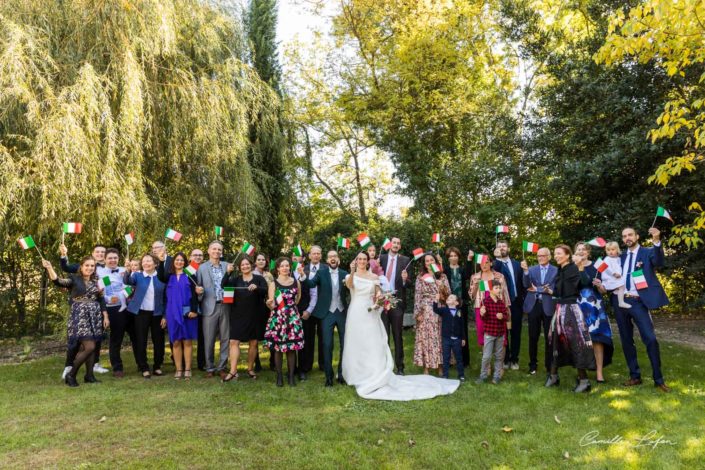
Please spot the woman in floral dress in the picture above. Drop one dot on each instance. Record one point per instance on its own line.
(427, 347)
(285, 334)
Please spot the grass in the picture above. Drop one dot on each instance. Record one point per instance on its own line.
(163, 423)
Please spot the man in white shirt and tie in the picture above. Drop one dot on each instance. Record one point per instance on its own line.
(393, 266)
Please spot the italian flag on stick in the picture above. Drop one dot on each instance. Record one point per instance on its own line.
(662, 212)
(601, 265)
(298, 251)
(502, 229)
(130, 238)
(363, 240)
(27, 242)
(191, 269)
(418, 253)
(294, 265)
(485, 286)
(228, 295)
(639, 279)
(598, 241)
(248, 248)
(127, 290)
(480, 258)
(105, 281)
(530, 246)
(172, 234)
(428, 278)
(436, 238)
(72, 227)
(435, 268)
(343, 242)
(278, 299)
(272, 264)
(218, 231)
(387, 244)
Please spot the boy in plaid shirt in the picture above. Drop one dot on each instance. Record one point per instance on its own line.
(496, 320)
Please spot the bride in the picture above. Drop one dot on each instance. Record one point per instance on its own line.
(367, 359)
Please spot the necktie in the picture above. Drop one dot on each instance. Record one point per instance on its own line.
(510, 281)
(629, 271)
(390, 267)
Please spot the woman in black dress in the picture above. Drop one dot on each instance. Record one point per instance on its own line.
(569, 335)
(89, 316)
(250, 293)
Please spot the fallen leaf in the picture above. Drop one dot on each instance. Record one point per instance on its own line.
(101, 420)
(507, 429)
(557, 420)
(485, 444)
(412, 443)
(380, 442)
(566, 455)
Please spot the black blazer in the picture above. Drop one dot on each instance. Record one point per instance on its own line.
(451, 326)
(465, 275)
(399, 286)
(569, 280)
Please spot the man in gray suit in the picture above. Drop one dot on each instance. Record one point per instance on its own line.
(539, 307)
(214, 312)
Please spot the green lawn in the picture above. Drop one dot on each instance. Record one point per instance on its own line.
(206, 424)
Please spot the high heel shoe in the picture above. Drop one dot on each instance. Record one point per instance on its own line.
(187, 374)
(252, 375)
(90, 379)
(280, 379)
(292, 381)
(71, 381)
(229, 377)
(178, 375)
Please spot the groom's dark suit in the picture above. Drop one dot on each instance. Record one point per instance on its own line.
(332, 312)
(394, 318)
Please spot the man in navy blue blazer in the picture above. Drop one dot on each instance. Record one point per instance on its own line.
(511, 269)
(538, 306)
(643, 293)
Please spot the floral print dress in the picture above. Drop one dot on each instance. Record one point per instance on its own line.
(284, 329)
(427, 346)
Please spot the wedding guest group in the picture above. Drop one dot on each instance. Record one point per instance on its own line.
(294, 307)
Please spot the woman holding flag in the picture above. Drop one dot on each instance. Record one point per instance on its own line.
(181, 311)
(89, 316)
(430, 282)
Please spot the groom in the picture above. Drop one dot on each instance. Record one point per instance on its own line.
(331, 308)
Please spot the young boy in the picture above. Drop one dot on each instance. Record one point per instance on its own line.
(453, 334)
(495, 318)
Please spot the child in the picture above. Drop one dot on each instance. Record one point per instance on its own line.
(612, 278)
(453, 334)
(495, 317)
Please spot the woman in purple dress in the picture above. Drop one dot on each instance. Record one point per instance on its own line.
(181, 314)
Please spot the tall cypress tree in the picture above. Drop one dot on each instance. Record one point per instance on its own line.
(269, 143)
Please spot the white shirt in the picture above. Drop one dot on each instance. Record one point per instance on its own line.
(115, 289)
(335, 302)
(148, 301)
(313, 293)
(314, 268)
(630, 269)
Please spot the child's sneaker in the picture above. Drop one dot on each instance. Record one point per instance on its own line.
(480, 381)
(496, 380)
(461, 378)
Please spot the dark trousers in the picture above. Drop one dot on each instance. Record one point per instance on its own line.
(144, 324)
(514, 343)
(200, 348)
(71, 353)
(394, 320)
(538, 321)
(626, 318)
(120, 323)
(328, 324)
(466, 349)
(456, 346)
(304, 357)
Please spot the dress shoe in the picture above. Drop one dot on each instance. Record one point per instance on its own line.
(90, 379)
(632, 382)
(400, 371)
(583, 386)
(280, 379)
(71, 381)
(118, 374)
(302, 376)
(663, 387)
(553, 381)
(222, 374)
(210, 375)
(329, 382)
(341, 380)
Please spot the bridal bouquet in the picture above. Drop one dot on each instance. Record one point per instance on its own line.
(385, 301)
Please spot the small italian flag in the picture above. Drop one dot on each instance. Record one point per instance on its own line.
(363, 240)
(530, 246)
(294, 265)
(598, 241)
(639, 280)
(228, 295)
(191, 269)
(72, 227)
(418, 253)
(387, 244)
(502, 229)
(105, 281)
(343, 242)
(485, 286)
(662, 212)
(26, 243)
(218, 231)
(248, 248)
(428, 278)
(435, 268)
(272, 264)
(480, 258)
(278, 299)
(130, 238)
(172, 234)
(601, 265)
(436, 238)
(127, 290)
(298, 251)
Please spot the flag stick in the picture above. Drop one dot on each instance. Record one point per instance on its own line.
(128, 252)
(40, 253)
(62, 236)
(654, 222)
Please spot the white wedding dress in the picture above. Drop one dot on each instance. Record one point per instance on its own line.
(367, 360)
